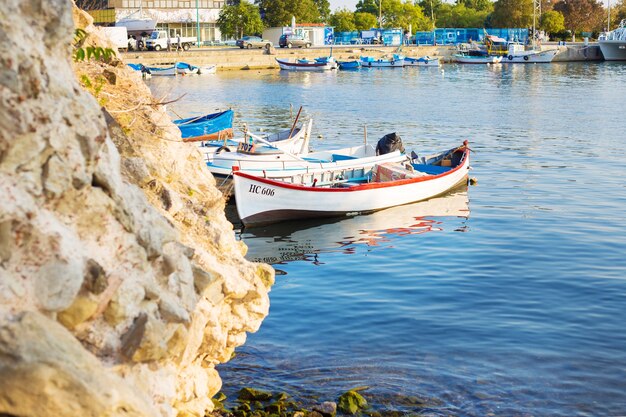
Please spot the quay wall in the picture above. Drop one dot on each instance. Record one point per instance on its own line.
(245, 59)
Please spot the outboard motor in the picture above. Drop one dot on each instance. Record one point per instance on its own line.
(389, 143)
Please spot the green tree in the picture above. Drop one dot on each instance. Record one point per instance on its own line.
(323, 7)
(367, 6)
(365, 21)
(398, 14)
(512, 14)
(343, 20)
(460, 16)
(242, 19)
(552, 22)
(581, 15)
(279, 12)
(479, 5)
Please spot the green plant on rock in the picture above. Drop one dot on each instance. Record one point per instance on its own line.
(98, 53)
(351, 402)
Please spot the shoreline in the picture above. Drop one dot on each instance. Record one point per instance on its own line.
(235, 59)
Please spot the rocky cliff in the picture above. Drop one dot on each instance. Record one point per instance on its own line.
(121, 282)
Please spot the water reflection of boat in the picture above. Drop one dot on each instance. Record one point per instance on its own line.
(303, 240)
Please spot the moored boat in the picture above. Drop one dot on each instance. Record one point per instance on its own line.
(307, 65)
(466, 58)
(395, 61)
(163, 71)
(423, 61)
(518, 54)
(349, 65)
(145, 72)
(613, 43)
(184, 68)
(208, 127)
(349, 191)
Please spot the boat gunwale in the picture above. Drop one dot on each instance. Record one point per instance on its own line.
(359, 187)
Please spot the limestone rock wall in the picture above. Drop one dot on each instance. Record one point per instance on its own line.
(121, 282)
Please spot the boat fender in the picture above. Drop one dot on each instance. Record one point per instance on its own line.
(314, 182)
(510, 57)
(393, 61)
(223, 149)
(525, 57)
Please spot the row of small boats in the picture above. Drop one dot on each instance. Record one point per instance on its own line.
(275, 177)
(329, 63)
(179, 68)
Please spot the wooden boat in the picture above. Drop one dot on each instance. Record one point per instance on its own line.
(395, 61)
(156, 71)
(307, 65)
(140, 68)
(349, 65)
(348, 191)
(183, 68)
(207, 69)
(466, 58)
(423, 61)
(292, 140)
(208, 127)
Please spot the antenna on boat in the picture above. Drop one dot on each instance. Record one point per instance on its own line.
(365, 134)
(608, 21)
(536, 14)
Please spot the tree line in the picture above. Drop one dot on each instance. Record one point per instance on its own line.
(242, 17)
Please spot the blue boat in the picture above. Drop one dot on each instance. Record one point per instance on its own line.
(349, 65)
(210, 127)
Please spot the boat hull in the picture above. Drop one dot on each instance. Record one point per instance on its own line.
(422, 62)
(263, 201)
(383, 63)
(613, 50)
(464, 59)
(209, 127)
(162, 71)
(531, 57)
(311, 66)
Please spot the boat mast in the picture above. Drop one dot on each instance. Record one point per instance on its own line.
(608, 22)
(536, 14)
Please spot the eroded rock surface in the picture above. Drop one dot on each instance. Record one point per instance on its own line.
(121, 283)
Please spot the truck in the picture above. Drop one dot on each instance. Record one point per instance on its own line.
(118, 35)
(158, 41)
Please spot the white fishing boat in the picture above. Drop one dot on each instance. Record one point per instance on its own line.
(423, 61)
(291, 140)
(207, 69)
(395, 61)
(349, 191)
(467, 58)
(137, 23)
(167, 71)
(319, 64)
(518, 54)
(613, 43)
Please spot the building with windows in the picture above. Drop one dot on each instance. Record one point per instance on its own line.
(175, 16)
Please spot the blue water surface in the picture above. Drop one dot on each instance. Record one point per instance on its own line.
(506, 298)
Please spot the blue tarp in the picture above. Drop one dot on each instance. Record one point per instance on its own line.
(205, 125)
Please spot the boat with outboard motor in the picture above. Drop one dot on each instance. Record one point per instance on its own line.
(348, 191)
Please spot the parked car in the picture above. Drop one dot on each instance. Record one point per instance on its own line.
(290, 41)
(253, 42)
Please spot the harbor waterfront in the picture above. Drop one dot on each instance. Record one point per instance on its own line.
(503, 299)
(247, 59)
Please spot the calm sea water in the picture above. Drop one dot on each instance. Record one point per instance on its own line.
(508, 298)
